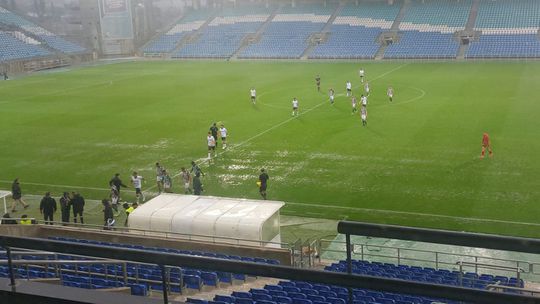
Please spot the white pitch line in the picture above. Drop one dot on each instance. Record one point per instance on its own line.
(457, 218)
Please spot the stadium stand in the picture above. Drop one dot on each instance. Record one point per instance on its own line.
(508, 29)
(355, 31)
(188, 24)
(278, 41)
(49, 39)
(12, 48)
(140, 278)
(225, 32)
(427, 30)
(291, 292)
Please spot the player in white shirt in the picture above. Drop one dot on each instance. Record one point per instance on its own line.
(363, 115)
(211, 145)
(223, 132)
(353, 101)
(331, 94)
(348, 86)
(253, 94)
(136, 181)
(390, 93)
(366, 88)
(362, 74)
(294, 106)
(363, 100)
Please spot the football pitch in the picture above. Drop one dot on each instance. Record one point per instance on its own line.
(416, 163)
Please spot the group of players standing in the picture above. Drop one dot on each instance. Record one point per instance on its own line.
(331, 94)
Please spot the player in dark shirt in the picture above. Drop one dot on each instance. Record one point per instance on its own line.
(318, 81)
(214, 130)
(263, 180)
(117, 182)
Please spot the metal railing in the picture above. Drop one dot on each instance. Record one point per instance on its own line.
(274, 271)
(438, 259)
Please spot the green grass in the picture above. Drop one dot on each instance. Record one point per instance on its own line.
(417, 163)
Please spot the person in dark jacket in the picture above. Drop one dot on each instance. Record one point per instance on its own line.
(47, 207)
(197, 185)
(77, 201)
(65, 207)
(16, 194)
(117, 182)
(108, 215)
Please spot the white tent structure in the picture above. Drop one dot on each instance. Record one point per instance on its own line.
(3, 195)
(207, 218)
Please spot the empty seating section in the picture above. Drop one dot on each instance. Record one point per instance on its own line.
(295, 292)
(347, 41)
(12, 48)
(287, 36)
(223, 36)
(354, 32)
(188, 24)
(140, 278)
(445, 16)
(509, 30)
(53, 41)
(510, 16)
(416, 44)
(505, 46)
(414, 273)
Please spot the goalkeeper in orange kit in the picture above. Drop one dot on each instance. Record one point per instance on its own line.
(486, 144)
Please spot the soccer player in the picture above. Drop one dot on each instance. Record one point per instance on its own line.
(348, 86)
(196, 169)
(363, 115)
(117, 182)
(114, 198)
(486, 144)
(263, 183)
(318, 81)
(186, 180)
(363, 100)
(353, 100)
(167, 182)
(390, 93)
(159, 177)
(331, 94)
(214, 130)
(223, 132)
(136, 181)
(253, 94)
(211, 145)
(362, 74)
(366, 88)
(294, 106)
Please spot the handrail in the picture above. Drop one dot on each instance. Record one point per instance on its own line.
(521, 289)
(478, 240)
(170, 234)
(493, 267)
(275, 271)
(437, 255)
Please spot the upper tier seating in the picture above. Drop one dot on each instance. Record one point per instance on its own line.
(354, 32)
(223, 36)
(12, 48)
(189, 23)
(53, 41)
(287, 36)
(444, 16)
(508, 16)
